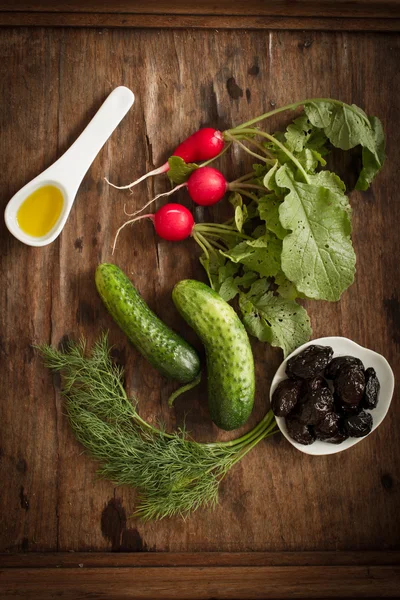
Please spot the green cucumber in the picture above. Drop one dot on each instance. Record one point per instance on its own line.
(162, 347)
(230, 364)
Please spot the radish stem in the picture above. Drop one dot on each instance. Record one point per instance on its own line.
(283, 148)
(293, 106)
(231, 137)
(250, 186)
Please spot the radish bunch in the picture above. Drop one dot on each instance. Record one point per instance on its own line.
(204, 144)
(206, 186)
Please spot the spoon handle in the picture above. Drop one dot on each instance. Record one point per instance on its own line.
(71, 167)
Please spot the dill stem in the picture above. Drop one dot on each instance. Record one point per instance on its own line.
(244, 439)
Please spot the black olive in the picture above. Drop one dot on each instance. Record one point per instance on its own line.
(372, 387)
(285, 397)
(328, 427)
(358, 425)
(318, 404)
(350, 384)
(299, 432)
(309, 363)
(336, 364)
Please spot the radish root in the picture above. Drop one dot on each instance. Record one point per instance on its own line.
(163, 169)
(149, 216)
(178, 187)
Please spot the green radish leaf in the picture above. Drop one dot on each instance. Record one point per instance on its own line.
(329, 180)
(227, 270)
(240, 217)
(179, 171)
(345, 126)
(319, 113)
(317, 256)
(247, 279)
(228, 289)
(310, 159)
(332, 182)
(269, 178)
(268, 209)
(230, 286)
(317, 141)
(348, 126)
(286, 288)
(261, 255)
(374, 158)
(260, 170)
(282, 323)
(236, 199)
(298, 133)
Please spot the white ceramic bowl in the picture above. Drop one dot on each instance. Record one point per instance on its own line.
(343, 346)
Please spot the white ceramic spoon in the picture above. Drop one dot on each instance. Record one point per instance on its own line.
(342, 346)
(69, 170)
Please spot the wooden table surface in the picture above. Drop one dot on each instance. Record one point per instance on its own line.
(52, 80)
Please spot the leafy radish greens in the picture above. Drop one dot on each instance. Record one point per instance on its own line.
(290, 236)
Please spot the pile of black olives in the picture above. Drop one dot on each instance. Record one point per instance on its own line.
(312, 410)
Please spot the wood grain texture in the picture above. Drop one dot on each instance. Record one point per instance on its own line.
(184, 21)
(200, 575)
(339, 15)
(194, 583)
(286, 8)
(52, 81)
(66, 560)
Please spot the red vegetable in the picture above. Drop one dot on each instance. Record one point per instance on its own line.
(172, 222)
(204, 144)
(207, 186)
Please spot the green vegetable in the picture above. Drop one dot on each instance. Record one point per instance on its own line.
(170, 354)
(278, 321)
(230, 365)
(303, 249)
(179, 171)
(317, 256)
(372, 158)
(173, 475)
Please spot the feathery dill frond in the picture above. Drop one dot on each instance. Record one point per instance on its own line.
(173, 475)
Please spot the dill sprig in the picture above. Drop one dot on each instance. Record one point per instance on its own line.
(173, 474)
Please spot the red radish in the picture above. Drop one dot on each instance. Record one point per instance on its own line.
(207, 186)
(204, 144)
(172, 222)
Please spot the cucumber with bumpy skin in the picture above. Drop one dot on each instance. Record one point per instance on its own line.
(170, 354)
(230, 364)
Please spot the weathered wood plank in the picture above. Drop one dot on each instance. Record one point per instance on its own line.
(98, 560)
(53, 80)
(285, 8)
(184, 21)
(190, 583)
